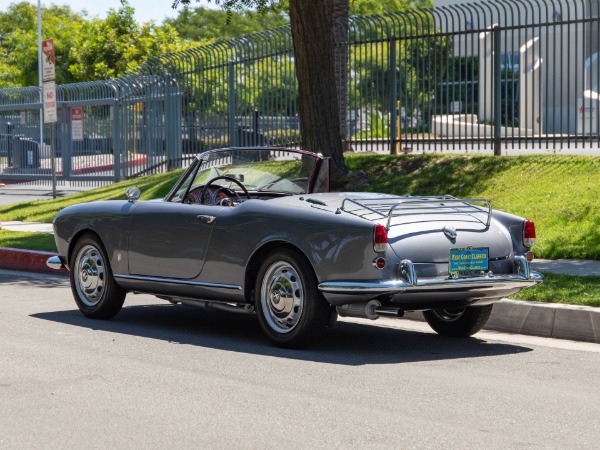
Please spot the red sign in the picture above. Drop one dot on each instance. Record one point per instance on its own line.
(48, 62)
(76, 113)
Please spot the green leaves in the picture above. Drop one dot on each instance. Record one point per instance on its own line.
(112, 47)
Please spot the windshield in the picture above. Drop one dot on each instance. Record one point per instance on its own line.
(263, 170)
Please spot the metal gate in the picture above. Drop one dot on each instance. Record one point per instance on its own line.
(107, 131)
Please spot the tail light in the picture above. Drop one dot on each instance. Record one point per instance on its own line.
(380, 239)
(528, 233)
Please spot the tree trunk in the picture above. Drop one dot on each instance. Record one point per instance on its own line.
(341, 18)
(318, 103)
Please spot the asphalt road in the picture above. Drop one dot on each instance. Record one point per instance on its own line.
(163, 375)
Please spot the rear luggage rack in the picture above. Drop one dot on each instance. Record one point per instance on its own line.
(378, 208)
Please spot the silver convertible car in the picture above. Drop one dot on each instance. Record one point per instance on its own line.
(256, 230)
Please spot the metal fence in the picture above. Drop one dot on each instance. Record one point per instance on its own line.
(502, 77)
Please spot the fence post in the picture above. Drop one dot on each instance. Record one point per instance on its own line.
(255, 118)
(115, 109)
(172, 136)
(232, 106)
(393, 99)
(9, 143)
(66, 148)
(497, 92)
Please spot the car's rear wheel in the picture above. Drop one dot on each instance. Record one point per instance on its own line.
(458, 322)
(291, 310)
(96, 293)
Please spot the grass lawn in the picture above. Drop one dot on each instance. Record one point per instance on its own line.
(568, 289)
(27, 241)
(153, 186)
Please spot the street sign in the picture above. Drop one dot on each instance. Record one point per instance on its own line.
(49, 92)
(77, 124)
(48, 62)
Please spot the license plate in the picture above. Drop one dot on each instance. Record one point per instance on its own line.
(465, 260)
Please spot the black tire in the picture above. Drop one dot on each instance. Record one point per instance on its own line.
(291, 310)
(458, 322)
(94, 288)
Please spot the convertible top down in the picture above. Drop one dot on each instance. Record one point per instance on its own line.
(256, 230)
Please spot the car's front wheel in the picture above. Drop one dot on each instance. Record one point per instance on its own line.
(291, 310)
(458, 322)
(96, 293)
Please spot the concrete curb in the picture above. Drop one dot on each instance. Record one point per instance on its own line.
(554, 320)
(27, 260)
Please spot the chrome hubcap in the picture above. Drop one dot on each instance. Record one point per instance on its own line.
(449, 314)
(89, 275)
(282, 297)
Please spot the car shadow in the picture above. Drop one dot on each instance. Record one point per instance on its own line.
(351, 344)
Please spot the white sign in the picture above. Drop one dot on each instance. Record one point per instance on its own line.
(48, 62)
(49, 91)
(455, 107)
(23, 117)
(77, 124)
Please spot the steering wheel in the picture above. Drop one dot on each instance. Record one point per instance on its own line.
(221, 177)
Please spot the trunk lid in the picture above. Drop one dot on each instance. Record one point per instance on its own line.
(424, 229)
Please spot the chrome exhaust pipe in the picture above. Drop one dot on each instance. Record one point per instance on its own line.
(370, 310)
(360, 310)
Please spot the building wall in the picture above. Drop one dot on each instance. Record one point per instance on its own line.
(564, 48)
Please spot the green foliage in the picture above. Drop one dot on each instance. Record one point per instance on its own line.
(112, 47)
(86, 49)
(200, 24)
(18, 42)
(371, 7)
(567, 289)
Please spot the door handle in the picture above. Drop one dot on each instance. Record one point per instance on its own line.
(206, 219)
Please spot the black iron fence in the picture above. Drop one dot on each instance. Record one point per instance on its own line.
(502, 77)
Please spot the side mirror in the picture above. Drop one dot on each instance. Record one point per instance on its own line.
(133, 193)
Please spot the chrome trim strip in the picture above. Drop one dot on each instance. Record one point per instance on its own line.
(408, 280)
(176, 281)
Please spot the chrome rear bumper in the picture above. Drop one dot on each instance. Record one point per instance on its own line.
(408, 281)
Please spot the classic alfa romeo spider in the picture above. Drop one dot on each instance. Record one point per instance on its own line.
(256, 230)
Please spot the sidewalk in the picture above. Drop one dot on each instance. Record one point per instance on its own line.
(579, 267)
(581, 323)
